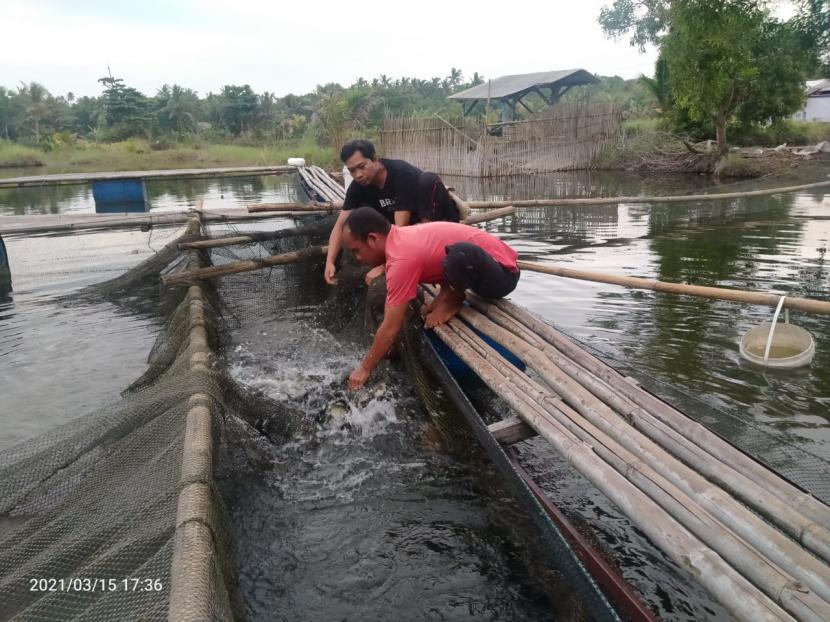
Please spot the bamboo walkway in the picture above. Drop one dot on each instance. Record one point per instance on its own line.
(63, 179)
(758, 544)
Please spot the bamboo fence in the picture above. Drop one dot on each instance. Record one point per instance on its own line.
(566, 137)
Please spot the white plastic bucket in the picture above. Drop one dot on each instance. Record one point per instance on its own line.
(778, 345)
(296, 161)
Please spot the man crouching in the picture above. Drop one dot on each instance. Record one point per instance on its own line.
(456, 256)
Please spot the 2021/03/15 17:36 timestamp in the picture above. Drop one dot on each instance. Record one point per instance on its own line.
(97, 584)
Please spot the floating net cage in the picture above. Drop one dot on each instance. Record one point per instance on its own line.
(134, 490)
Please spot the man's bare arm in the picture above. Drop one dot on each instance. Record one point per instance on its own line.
(403, 218)
(335, 244)
(393, 319)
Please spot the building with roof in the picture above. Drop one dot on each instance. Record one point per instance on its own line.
(509, 91)
(817, 105)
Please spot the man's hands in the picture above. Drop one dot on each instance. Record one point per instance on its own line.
(329, 272)
(358, 378)
(374, 273)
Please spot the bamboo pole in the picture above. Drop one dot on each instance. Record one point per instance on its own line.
(338, 192)
(717, 293)
(219, 242)
(687, 511)
(475, 219)
(614, 431)
(735, 592)
(313, 206)
(464, 210)
(319, 187)
(646, 199)
(192, 173)
(672, 419)
(187, 276)
(194, 554)
(98, 221)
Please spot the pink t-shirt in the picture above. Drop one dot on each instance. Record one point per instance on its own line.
(415, 255)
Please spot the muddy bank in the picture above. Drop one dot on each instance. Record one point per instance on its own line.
(702, 159)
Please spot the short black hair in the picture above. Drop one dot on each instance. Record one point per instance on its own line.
(359, 144)
(365, 220)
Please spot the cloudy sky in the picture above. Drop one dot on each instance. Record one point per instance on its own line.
(291, 47)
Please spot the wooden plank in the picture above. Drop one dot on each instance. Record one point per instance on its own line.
(192, 173)
(511, 431)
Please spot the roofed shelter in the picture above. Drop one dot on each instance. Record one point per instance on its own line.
(817, 103)
(510, 90)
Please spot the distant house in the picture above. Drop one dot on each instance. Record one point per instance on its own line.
(817, 105)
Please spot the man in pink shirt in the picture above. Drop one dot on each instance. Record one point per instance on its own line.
(456, 256)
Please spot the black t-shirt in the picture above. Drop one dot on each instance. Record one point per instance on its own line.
(398, 193)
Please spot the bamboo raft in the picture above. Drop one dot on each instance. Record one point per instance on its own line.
(759, 545)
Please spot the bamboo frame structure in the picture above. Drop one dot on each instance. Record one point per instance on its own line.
(235, 240)
(677, 198)
(564, 137)
(194, 552)
(186, 277)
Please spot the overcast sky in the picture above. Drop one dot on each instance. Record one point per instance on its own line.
(291, 47)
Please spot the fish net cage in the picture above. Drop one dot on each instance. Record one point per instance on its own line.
(119, 513)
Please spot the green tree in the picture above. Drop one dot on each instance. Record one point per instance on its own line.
(86, 115)
(729, 61)
(177, 109)
(6, 108)
(125, 110)
(644, 20)
(659, 85)
(238, 106)
(813, 23)
(36, 104)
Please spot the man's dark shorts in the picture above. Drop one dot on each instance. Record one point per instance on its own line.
(468, 266)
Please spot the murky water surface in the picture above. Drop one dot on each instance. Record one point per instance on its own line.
(371, 516)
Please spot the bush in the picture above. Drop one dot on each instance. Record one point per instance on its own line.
(788, 131)
(13, 155)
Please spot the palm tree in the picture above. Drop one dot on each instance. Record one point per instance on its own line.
(36, 105)
(659, 85)
(179, 107)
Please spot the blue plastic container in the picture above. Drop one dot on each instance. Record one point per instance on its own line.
(458, 368)
(120, 195)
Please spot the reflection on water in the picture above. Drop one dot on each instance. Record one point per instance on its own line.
(162, 195)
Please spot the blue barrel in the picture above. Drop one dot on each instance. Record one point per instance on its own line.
(120, 195)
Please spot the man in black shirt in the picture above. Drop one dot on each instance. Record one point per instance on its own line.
(401, 192)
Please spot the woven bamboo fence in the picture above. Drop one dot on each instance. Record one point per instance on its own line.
(566, 137)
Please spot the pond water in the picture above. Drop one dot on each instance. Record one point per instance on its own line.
(372, 518)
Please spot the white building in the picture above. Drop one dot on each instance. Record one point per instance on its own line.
(817, 105)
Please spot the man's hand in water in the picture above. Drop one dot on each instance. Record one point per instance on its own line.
(329, 272)
(358, 378)
(374, 273)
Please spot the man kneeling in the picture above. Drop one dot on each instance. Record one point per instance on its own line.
(456, 256)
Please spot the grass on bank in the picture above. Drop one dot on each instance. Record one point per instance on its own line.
(13, 155)
(793, 133)
(137, 154)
